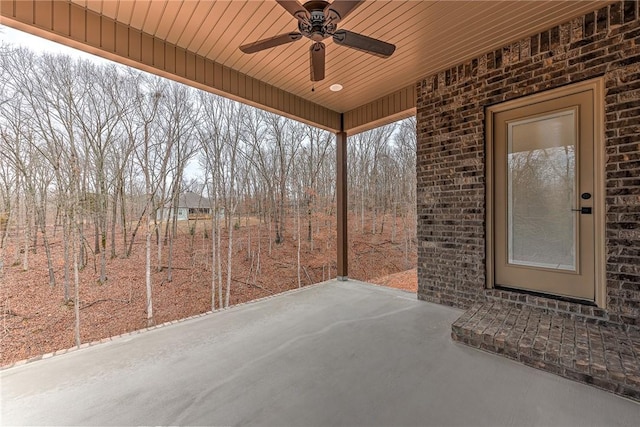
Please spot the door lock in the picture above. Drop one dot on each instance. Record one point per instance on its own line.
(584, 211)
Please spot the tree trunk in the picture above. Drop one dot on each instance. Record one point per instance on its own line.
(299, 239)
(270, 246)
(83, 250)
(309, 226)
(4, 233)
(213, 259)
(67, 236)
(281, 213)
(103, 255)
(123, 219)
(394, 226)
(219, 260)
(135, 231)
(229, 255)
(114, 220)
(77, 249)
(47, 249)
(374, 220)
(76, 285)
(278, 205)
(18, 224)
(35, 224)
(362, 196)
(170, 257)
(159, 247)
(96, 236)
(27, 239)
(170, 221)
(150, 321)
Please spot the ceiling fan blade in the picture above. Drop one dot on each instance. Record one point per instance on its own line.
(364, 43)
(296, 9)
(270, 42)
(317, 61)
(339, 9)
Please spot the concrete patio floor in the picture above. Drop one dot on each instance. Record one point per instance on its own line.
(338, 353)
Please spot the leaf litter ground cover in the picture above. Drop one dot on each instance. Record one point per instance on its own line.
(36, 321)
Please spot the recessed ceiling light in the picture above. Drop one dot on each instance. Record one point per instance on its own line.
(335, 87)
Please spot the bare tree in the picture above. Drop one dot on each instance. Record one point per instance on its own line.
(98, 113)
(284, 138)
(317, 146)
(177, 117)
(210, 138)
(152, 157)
(105, 149)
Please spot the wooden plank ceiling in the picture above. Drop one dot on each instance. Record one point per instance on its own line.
(430, 36)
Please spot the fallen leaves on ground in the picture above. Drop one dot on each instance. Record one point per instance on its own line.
(35, 319)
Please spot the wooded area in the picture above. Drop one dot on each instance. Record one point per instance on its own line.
(91, 154)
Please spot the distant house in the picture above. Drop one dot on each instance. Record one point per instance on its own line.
(190, 205)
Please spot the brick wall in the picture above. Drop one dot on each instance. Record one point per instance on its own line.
(451, 151)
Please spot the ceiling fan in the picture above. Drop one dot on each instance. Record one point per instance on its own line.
(317, 20)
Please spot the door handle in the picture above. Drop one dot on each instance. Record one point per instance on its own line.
(584, 211)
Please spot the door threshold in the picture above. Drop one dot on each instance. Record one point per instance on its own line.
(549, 296)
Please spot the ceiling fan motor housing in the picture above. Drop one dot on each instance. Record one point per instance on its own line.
(316, 28)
